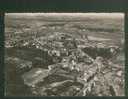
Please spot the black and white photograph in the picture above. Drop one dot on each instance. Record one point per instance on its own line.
(64, 54)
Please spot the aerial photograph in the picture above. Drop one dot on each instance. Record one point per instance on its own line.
(64, 54)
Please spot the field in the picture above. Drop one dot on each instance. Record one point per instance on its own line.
(27, 34)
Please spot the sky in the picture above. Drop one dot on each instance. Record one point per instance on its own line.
(68, 14)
